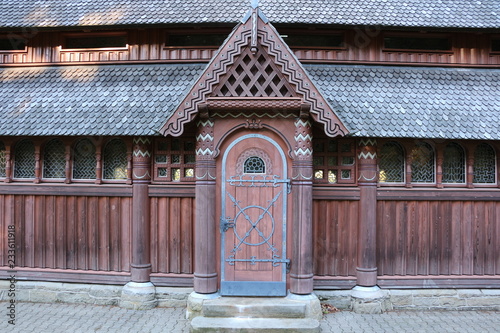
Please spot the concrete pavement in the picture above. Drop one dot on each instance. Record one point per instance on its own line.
(76, 318)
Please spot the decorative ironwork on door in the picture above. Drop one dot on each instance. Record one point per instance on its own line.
(253, 226)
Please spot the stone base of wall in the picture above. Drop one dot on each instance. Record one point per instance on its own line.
(418, 299)
(56, 292)
(391, 299)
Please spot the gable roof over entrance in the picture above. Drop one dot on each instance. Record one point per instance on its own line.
(254, 68)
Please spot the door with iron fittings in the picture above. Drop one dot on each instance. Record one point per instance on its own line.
(254, 190)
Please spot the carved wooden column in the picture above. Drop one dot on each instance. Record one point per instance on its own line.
(205, 255)
(470, 165)
(8, 165)
(301, 273)
(366, 270)
(439, 165)
(141, 262)
(38, 165)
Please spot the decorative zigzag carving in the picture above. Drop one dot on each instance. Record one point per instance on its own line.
(367, 155)
(303, 137)
(201, 137)
(367, 142)
(142, 153)
(206, 151)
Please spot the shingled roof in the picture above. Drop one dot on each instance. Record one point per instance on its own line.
(371, 101)
(392, 13)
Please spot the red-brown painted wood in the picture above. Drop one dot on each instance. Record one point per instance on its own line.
(147, 45)
(438, 238)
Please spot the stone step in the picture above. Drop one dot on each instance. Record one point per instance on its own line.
(254, 307)
(242, 324)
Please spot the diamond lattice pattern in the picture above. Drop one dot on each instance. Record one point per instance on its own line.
(254, 75)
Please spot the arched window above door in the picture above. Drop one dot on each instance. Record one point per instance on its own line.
(254, 164)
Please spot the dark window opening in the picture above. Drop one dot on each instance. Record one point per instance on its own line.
(95, 42)
(311, 40)
(495, 45)
(206, 40)
(12, 44)
(417, 43)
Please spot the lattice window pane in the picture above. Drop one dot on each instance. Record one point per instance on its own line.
(391, 163)
(422, 163)
(318, 174)
(453, 164)
(115, 160)
(189, 172)
(84, 160)
(54, 159)
(254, 164)
(332, 176)
(3, 159)
(24, 164)
(484, 164)
(176, 174)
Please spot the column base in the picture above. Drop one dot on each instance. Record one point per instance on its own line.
(138, 296)
(370, 300)
(195, 303)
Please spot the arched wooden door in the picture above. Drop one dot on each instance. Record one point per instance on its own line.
(254, 190)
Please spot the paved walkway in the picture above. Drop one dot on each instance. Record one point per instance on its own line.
(71, 318)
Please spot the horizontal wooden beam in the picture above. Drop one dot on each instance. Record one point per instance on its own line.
(65, 275)
(335, 193)
(67, 190)
(172, 280)
(173, 191)
(439, 281)
(403, 194)
(334, 282)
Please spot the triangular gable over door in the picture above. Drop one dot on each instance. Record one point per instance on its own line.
(254, 69)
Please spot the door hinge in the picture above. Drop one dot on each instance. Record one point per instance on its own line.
(288, 264)
(226, 223)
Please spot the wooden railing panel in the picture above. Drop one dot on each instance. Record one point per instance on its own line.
(68, 232)
(172, 222)
(438, 238)
(335, 231)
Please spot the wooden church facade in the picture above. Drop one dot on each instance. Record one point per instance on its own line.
(253, 182)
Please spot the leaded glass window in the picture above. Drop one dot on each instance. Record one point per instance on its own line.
(254, 164)
(174, 159)
(24, 163)
(54, 161)
(391, 163)
(484, 164)
(84, 160)
(334, 161)
(422, 165)
(3, 159)
(453, 164)
(115, 160)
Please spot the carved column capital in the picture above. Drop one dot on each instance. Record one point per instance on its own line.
(367, 159)
(141, 160)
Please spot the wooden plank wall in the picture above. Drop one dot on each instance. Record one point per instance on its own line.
(148, 45)
(172, 221)
(335, 236)
(438, 238)
(68, 232)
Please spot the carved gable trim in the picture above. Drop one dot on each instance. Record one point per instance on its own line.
(253, 63)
